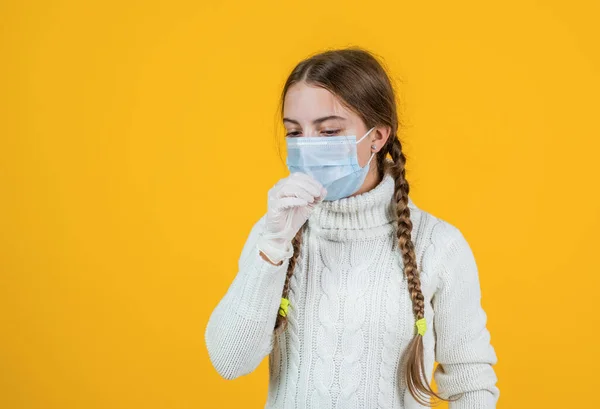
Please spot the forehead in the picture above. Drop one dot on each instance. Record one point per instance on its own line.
(305, 102)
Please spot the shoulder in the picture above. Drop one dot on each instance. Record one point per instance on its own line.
(431, 232)
(436, 239)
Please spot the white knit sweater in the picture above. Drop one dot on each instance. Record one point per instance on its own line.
(350, 316)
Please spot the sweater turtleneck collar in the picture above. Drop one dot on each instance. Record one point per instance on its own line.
(365, 215)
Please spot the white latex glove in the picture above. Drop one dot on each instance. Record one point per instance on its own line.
(290, 202)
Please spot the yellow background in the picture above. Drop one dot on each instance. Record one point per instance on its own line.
(138, 141)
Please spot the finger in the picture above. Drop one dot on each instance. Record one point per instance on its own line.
(321, 197)
(323, 194)
(308, 182)
(294, 190)
(289, 202)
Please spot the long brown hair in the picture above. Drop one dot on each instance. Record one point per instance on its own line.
(359, 80)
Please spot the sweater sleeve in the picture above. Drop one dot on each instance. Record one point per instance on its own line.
(239, 332)
(463, 349)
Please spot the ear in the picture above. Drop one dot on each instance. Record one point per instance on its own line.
(379, 136)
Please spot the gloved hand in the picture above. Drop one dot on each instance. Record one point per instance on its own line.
(290, 202)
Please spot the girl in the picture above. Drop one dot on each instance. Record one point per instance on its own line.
(351, 289)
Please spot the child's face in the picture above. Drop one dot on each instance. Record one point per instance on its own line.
(305, 106)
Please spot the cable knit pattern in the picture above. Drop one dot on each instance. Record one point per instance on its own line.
(274, 374)
(389, 352)
(327, 334)
(354, 313)
(350, 317)
(293, 330)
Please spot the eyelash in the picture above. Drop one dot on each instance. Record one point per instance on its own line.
(330, 132)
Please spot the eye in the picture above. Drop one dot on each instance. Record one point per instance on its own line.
(292, 134)
(331, 132)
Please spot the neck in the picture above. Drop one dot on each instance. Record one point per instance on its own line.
(367, 214)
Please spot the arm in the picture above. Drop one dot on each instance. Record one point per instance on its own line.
(463, 348)
(239, 333)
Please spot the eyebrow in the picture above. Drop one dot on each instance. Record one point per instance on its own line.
(316, 121)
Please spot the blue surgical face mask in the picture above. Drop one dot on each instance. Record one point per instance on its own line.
(331, 160)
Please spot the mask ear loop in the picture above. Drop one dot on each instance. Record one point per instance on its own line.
(370, 159)
(368, 132)
(372, 154)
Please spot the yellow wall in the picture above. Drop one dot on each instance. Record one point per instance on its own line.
(137, 147)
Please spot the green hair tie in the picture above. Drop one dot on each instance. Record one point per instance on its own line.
(421, 326)
(283, 308)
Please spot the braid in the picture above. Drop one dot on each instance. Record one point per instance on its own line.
(414, 366)
(404, 230)
(281, 322)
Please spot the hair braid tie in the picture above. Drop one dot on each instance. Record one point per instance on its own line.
(283, 308)
(421, 325)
